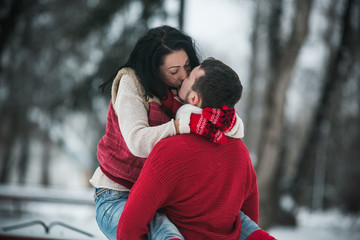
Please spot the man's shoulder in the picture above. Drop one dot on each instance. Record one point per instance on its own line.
(180, 144)
(177, 140)
(190, 138)
(169, 151)
(190, 141)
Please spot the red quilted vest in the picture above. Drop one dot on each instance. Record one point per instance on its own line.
(116, 160)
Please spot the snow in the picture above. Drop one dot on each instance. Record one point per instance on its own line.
(309, 233)
(50, 206)
(318, 225)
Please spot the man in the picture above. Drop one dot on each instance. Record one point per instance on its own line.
(200, 185)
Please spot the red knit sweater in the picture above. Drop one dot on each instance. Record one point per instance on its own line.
(201, 187)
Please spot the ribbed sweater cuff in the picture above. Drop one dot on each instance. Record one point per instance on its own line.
(260, 235)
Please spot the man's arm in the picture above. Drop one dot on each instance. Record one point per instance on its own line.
(251, 204)
(144, 200)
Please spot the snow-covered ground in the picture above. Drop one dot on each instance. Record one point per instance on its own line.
(48, 212)
(328, 225)
(311, 233)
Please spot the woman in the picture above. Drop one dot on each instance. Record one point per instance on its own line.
(143, 103)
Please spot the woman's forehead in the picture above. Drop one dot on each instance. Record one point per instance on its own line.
(176, 59)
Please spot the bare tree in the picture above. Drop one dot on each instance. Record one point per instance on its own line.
(326, 139)
(11, 10)
(181, 14)
(283, 57)
(250, 91)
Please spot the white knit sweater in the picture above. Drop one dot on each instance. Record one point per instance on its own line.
(131, 107)
(132, 110)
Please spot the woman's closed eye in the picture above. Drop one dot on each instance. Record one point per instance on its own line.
(187, 68)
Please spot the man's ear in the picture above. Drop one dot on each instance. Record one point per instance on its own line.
(195, 99)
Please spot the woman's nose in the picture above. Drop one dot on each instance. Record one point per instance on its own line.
(183, 74)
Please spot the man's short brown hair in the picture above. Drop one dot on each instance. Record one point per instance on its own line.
(219, 86)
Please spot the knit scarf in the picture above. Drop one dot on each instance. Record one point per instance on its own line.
(172, 103)
(213, 123)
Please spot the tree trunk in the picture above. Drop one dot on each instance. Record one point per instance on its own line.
(181, 14)
(9, 131)
(8, 21)
(341, 62)
(250, 89)
(45, 176)
(24, 154)
(283, 62)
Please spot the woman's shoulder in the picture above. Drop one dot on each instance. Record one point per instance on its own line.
(129, 73)
(126, 80)
(127, 76)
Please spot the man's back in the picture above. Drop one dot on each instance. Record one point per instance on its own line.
(200, 186)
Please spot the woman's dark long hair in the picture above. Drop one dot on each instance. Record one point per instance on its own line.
(148, 54)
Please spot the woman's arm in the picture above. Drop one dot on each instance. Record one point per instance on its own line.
(133, 119)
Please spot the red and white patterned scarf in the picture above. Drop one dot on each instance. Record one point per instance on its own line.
(213, 123)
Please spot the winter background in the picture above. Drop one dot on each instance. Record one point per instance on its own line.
(221, 29)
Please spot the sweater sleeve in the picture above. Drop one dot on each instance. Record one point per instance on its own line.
(145, 199)
(251, 203)
(133, 120)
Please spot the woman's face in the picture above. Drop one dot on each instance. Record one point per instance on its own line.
(186, 93)
(175, 68)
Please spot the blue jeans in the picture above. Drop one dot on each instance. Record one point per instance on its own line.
(248, 226)
(110, 205)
